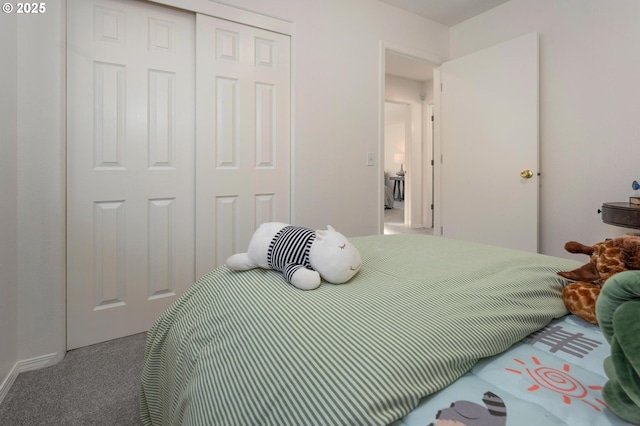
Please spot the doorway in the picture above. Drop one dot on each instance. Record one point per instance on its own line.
(485, 71)
(397, 134)
(407, 143)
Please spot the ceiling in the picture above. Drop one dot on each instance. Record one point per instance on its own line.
(446, 12)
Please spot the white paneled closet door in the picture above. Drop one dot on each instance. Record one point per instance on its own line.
(130, 231)
(175, 155)
(242, 136)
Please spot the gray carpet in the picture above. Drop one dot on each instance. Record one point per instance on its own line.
(94, 385)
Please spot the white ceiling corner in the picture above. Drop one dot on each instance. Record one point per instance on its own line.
(445, 12)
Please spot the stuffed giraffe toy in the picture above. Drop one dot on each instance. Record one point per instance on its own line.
(606, 259)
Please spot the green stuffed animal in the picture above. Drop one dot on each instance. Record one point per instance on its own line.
(618, 311)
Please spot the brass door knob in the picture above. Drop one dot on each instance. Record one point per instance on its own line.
(526, 174)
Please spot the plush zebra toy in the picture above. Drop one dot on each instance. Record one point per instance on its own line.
(302, 255)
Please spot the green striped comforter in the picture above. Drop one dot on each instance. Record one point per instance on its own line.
(246, 348)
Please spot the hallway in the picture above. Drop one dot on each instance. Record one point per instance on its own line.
(394, 222)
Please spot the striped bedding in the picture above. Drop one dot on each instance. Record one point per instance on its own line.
(242, 348)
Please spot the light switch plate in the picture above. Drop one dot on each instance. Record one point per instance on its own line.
(370, 159)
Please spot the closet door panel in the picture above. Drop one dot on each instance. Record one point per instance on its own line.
(242, 136)
(165, 181)
(130, 168)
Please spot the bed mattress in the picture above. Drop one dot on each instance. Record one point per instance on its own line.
(248, 348)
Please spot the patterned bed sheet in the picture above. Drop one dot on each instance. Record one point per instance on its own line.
(248, 348)
(552, 377)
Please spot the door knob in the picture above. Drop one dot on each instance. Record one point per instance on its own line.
(526, 174)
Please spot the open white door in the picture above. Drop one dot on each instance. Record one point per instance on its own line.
(414, 167)
(489, 105)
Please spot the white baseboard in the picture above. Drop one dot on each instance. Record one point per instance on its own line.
(22, 366)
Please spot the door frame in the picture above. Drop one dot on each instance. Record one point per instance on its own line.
(428, 181)
(437, 152)
(434, 61)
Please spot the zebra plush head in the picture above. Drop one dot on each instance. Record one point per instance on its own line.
(334, 257)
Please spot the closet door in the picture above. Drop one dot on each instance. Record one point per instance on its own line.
(130, 231)
(242, 136)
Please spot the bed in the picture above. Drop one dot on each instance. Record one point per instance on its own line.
(426, 322)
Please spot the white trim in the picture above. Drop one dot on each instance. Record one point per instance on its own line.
(231, 13)
(23, 366)
(381, 97)
(292, 124)
(428, 177)
(411, 53)
(437, 153)
(8, 382)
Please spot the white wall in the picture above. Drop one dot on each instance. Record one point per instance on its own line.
(589, 107)
(336, 61)
(32, 187)
(9, 197)
(42, 180)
